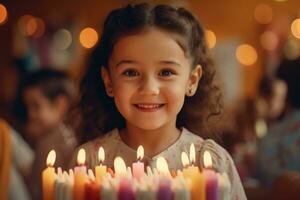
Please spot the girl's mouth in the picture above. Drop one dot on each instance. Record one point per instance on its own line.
(148, 107)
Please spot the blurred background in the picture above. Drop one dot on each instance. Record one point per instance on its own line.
(250, 40)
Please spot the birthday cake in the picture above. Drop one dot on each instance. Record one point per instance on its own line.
(136, 182)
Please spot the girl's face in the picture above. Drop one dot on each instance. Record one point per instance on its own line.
(149, 76)
(42, 114)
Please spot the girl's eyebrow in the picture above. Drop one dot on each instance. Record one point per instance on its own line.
(170, 62)
(126, 62)
(136, 62)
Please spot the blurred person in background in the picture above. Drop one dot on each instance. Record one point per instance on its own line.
(279, 148)
(44, 101)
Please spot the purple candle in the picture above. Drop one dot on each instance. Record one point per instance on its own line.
(164, 191)
(125, 190)
(211, 178)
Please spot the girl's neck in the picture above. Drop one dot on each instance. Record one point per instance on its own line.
(153, 141)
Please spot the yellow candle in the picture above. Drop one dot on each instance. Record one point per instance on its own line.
(48, 177)
(100, 169)
(80, 177)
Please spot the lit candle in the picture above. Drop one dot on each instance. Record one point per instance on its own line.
(101, 169)
(192, 173)
(162, 167)
(120, 167)
(138, 167)
(224, 186)
(80, 176)
(211, 178)
(49, 176)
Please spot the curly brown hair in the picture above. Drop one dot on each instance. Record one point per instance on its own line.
(98, 111)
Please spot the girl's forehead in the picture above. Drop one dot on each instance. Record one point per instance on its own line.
(150, 44)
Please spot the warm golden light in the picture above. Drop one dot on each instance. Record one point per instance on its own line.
(210, 38)
(62, 39)
(40, 28)
(101, 154)
(192, 153)
(31, 26)
(295, 28)
(140, 153)
(269, 40)
(246, 54)
(120, 166)
(263, 13)
(3, 14)
(88, 37)
(207, 159)
(162, 166)
(185, 159)
(51, 158)
(81, 157)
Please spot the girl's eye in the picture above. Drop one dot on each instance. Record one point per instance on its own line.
(130, 73)
(166, 72)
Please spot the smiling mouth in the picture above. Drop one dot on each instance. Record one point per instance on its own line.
(149, 107)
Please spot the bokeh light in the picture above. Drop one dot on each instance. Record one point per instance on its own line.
(31, 26)
(246, 54)
(62, 39)
(3, 14)
(269, 40)
(291, 49)
(210, 38)
(88, 37)
(295, 28)
(263, 14)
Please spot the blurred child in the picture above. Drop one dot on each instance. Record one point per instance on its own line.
(279, 149)
(150, 80)
(47, 96)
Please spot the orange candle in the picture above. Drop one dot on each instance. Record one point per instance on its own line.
(192, 172)
(100, 169)
(80, 177)
(48, 177)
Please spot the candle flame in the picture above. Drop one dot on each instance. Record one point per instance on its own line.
(81, 157)
(185, 159)
(140, 153)
(162, 166)
(192, 153)
(101, 154)
(120, 166)
(51, 158)
(207, 160)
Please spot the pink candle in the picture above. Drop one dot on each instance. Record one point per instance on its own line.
(211, 178)
(138, 167)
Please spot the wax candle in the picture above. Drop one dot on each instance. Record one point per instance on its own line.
(138, 167)
(164, 191)
(211, 178)
(179, 186)
(92, 190)
(100, 169)
(80, 177)
(125, 191)
(108, 191)
(192, 173)
(49, 176)
(224, 186)
(143, 190)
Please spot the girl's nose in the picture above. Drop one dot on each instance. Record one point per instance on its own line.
(149, 86)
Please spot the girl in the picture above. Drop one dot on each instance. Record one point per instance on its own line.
(150, 81)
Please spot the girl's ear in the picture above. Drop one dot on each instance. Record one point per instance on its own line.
(107, 81)
(194, 79)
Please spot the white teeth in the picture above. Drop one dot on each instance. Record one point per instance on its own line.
(148, 105)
